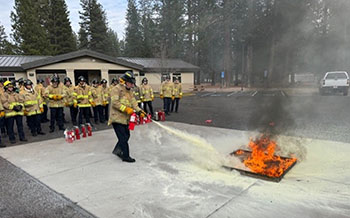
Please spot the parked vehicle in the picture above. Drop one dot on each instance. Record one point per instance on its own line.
(337, 81)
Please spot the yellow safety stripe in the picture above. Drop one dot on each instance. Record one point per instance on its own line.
(106, 95)
(89, 93)
(11, 114)
(75, 101)
(30, 102)
(12, 105)
(32, 113)
(84, 105)
(51, 96)
(41, 105)
(122, 108)
(75, 94)
(82, 96)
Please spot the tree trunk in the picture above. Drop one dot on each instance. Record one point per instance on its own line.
(227, 43)
(250, 79)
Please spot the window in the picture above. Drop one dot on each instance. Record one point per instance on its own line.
(7, 76)
(142, 73)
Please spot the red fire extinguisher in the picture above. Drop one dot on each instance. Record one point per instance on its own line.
(149, 118)
(132, 121)
(77, 132)
(83, 130)
(89, 129)
(69, 135)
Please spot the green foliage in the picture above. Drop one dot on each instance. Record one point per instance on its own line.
(5, 46)
(93, 33)
(133, 35)
(29, 34)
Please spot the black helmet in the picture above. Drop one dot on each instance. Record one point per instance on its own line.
(128, 76)
(39, 81)
(28, 82)
(55, 79)
(103, 81)
(81, 79)
(94, 81)
(20, 81)
(66, 79)
(114, 79)
(144, 80)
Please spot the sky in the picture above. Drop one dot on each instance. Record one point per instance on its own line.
(115, 10)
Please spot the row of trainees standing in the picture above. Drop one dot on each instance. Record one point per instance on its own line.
(14, 105)
(79, 99)
(171, 93)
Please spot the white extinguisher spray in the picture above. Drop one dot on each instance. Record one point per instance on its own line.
(132, 121)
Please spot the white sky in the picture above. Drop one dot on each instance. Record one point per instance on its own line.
(115, 10)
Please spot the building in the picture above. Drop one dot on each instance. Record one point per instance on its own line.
(94, 65)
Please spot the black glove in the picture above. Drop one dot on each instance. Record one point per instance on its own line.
(17, 108)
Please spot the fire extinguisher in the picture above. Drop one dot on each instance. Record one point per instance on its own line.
(89, 129)
(77, 132)
(69, 135)
(149, 118)
(132, 121)
(83, 130)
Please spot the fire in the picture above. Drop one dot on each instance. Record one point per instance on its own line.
(263, 160)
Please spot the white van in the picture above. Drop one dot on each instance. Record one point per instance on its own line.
(337, 81)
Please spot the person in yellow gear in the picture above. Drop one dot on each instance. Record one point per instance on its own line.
(83, 99)
(20, 84)
(97, 97)
(12, 103)
(105, 100)
(136, 90)
(147, 96)
(40, 89)
(167, 94)
(33, 107)
(69, 99)
(123, 104)
(56, 94)
(177, 95)
(2, 115)
(2, 119)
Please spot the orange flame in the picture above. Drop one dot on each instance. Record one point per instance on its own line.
(263, 160)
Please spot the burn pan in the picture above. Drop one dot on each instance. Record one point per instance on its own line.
(243, 154)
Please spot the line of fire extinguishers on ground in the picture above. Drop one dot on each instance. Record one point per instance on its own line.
(75, 133)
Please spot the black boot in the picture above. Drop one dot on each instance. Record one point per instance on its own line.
(129, 159)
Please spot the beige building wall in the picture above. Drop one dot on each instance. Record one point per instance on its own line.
(84, 63)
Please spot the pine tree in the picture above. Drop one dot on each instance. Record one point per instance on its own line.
(114, 43)
(29, 33)
(172, 27)
(59, 28)
(5, 45)
(149, 30)
(93, 33)
(133, 35)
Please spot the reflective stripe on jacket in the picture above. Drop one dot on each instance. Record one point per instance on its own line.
(51, 91)
(167, 89)
(9, 100)
(121, 98)
(146, 93)
(83, 96)
(32, 102)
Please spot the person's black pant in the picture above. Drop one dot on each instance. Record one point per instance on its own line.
(44, 114)
(84, 111)
(34, 123)
(2, 125)
(149, 105)
(10, 122)
(73, 114)
(98, 114)
(106, 112)
(167, 102)
(56, 114)
(123, 133)
(176, 104)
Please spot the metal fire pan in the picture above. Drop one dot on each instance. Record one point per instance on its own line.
(242, 154)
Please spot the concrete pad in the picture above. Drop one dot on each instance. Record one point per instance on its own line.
(178, 174)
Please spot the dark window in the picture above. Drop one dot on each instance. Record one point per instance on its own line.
(177, 76)
(336, 76)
